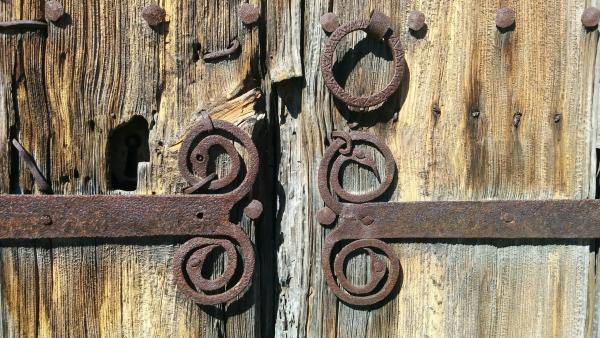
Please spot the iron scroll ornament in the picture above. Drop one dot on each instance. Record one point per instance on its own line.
(219, 233)
(364, 224)
(352, 232)
(203, 212)
(378, 26)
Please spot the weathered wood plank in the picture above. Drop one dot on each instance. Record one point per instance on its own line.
(101, 66)
(480, 79)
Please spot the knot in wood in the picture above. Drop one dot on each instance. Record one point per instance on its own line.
(248, 13)
(416, 20)
(154, 15)
(54, 10)
(590, 17)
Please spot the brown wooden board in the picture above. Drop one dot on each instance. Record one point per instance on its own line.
(482, 115)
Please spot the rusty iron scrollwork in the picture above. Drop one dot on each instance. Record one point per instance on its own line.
(351, 236)
(218, 234)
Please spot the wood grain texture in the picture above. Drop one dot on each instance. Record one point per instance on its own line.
(480, 79)
(63, 94)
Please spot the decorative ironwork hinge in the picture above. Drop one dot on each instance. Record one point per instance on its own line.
(205, 215)
(365, 225)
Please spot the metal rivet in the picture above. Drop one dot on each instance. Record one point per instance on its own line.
(416, 20)
(54, 10)
(505, 18)
(329, 22)
(46, 220)
(507, 218)
(248, 13)
(590, 17)
(154, 15)
(254, 209)
(326, 216)
(379, 24)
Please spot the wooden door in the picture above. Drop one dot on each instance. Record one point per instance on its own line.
(73, 93)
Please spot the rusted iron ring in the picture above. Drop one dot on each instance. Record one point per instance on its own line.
(190, 258)
(343, 150)
(327, 60)
(194, 156)
(383, 276)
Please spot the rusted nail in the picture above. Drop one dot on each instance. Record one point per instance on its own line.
(38, 177)
(248, 13)
(23, 24)
(416, 20)
(154, 15)
(557, 118)
(505, 18)
(517, 119)
(329, 22)
(590, 17)
(46, 220)
(254, 209)
(54, 10)
(326, 216)
(234, 46)
(379, 24)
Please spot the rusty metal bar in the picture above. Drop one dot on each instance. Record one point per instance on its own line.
(31, 217)
(552, 219)
(23, 24)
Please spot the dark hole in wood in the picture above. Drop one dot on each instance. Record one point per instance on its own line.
(127, 147)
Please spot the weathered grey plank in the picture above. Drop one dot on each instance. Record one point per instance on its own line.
(463, 65)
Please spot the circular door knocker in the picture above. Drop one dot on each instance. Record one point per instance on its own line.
(378, 26)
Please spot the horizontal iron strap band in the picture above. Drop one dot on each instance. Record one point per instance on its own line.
(550, 219)
(37, 217)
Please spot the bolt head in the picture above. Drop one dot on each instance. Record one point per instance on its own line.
(254, 209)
(54, 10)
(326, 216)
(330, 22)
(505, 17)
(154, 15)
(248, 13)
(367, 220)
(416, 20)
(590, 17)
